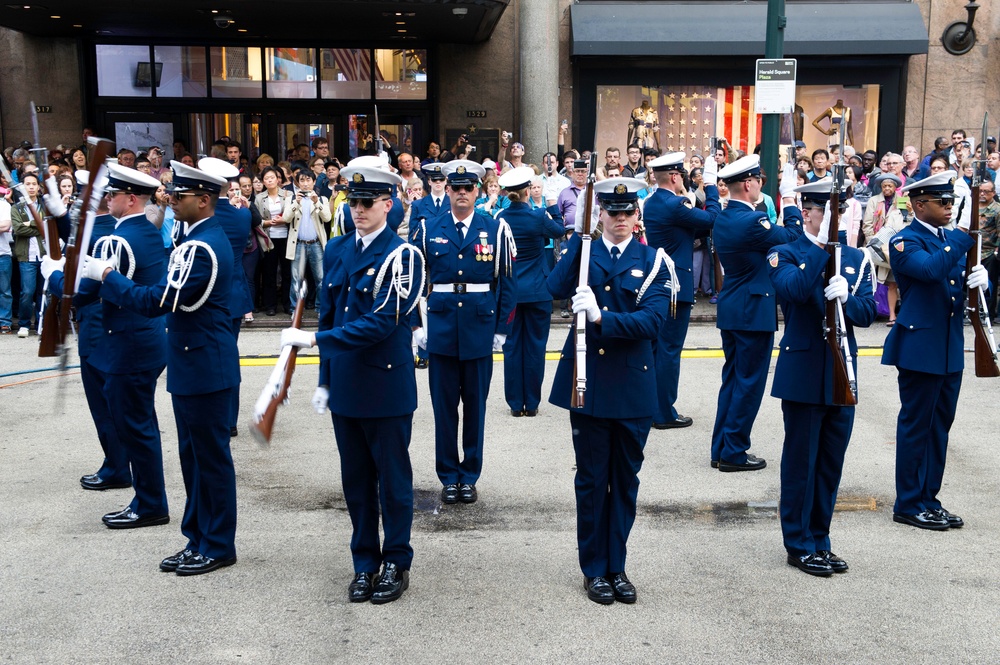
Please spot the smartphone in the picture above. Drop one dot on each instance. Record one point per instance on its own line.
(791, 154)
(713, 144)
(902, 202)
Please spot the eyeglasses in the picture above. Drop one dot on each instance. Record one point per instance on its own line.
(943, 201)
(365, 203)
(463, 188)
(180, 195)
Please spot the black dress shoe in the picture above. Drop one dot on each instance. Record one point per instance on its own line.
(925, 520)
(680, 421)
(835, 562)
(271, 311)
(624, 590)
(516, 413)
(199, 564)
(233, 432)
(421, 363)
(128, 519)
(714, 463)
(753, 463)
(954, 521)
(95, 482)
(811, 564)
(391, 584)
(598, 590)
(170, 564)
(449, 494)
(361, 588)
(564, 314)
(531, 413)
(467, 493)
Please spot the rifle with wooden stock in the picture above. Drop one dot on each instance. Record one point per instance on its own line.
(985, 344)
(580, 359)
(275, 392)
(845, 385)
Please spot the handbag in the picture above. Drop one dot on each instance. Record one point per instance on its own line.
(264, 240)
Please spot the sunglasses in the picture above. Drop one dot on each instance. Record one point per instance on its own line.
(942, 200)
(463, 188)
(365, 203)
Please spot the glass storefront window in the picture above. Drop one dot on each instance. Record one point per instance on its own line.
(291, 73)
(400, 74)
(346, 73)
(684, 118)
(236, 71)
(124, 71)
(183, 71)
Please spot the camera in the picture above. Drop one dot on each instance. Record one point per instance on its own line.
(340, 188)
(472, 148)
(581, 164)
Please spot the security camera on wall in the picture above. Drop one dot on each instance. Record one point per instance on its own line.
(223, 22)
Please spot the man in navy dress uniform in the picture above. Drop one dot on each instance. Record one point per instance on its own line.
(927, 347)
(372, 282)
(131, 354)
(343, 223)
(203, 365)
(470, 309)
(114, 472)
(430, 207)
(626, 301)
(817, 430)
(524, 350)
(672, 224)
(747, 312)
(235, 222)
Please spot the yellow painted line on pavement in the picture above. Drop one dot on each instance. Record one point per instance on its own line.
(312, 359)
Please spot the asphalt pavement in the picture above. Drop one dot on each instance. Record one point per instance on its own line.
(497, 581)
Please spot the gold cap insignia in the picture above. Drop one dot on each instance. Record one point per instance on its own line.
(358, 178)
(621, 189)
(460, 170)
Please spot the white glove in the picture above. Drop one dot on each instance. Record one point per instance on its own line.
(786, 188)
(53, 200)
(837, 289)
(50, 265)
(297, 337)
(978, 277)
(586, 301)
(498, 341)
(581, 208)
(320, 400)
(420, 337)
(824, 227)
(710, 172)
(962, 214)
(95, 268)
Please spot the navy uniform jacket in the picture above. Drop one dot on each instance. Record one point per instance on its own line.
(424, 208)
(132, 342)
(359, 346)
(202, 356)
(928, 333)
(345, 222)
(621, 381)
(532, 230)
(672, 224)
(797, 274)
(464, 325)
(236, 224)
(743, 237)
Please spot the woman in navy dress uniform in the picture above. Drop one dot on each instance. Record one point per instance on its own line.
(524, 349)
(927, 347)
(626, 302)
(372, 282)
(817, 431)
(202, 365)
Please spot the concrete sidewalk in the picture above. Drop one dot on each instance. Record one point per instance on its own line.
(497, 581)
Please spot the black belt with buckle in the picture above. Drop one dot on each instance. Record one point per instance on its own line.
(309, 242)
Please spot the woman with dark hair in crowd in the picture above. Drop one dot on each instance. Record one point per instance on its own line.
(78, 159)
(852, 219)
(275, 207)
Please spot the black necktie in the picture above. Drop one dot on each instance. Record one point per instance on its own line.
(461, 229)
(360, 247)
(941, 235)
(437, 204)
(614, 255)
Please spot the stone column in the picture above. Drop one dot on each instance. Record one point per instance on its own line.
(538, 33)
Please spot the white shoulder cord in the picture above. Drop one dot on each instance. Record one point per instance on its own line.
(506, 237)
(865, 262)
(181, 263)
(423, 235)
(673, 284)
(110, 248)
(175, 232)
(338, 220)
(400, 281)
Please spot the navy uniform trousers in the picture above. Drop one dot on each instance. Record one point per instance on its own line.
(360, 346)
(203, 369)
(236, 224)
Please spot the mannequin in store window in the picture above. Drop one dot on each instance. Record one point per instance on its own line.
(644, 126)
(835, 114)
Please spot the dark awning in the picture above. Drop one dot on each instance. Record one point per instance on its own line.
(722, 28)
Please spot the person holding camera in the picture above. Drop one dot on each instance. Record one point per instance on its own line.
(306, 233)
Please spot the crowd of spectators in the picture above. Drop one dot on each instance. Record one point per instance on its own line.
(294, 202)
